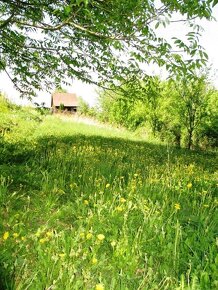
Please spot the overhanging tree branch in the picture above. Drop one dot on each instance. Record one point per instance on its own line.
(111, 38)
(9, 20)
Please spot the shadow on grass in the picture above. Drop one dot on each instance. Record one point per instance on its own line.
(63, 159)
(6, 282)
(17, 160)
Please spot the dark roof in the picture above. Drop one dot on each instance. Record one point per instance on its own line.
(67, 99)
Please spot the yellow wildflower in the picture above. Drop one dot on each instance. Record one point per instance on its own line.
(119, 208)
(94, 261)
(100, 237)
(89, 236)
(42, 241)
(15, 235)
(82, 235)
(99, 287)
(107, 185)
(6, 236)
(86, 202)
(177, 206)
(122, 200)
(49, 234)
(62, 255)
(23, 239)
(189, 185)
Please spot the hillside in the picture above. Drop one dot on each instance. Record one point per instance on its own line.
(84, 207)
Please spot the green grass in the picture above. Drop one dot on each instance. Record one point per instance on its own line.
(83, 206)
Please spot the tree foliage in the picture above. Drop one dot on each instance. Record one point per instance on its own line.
(179, 110)
(42, 42)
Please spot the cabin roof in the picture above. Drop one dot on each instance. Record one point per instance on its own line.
(67, 99)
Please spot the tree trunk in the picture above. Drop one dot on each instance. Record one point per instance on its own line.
(190, 133)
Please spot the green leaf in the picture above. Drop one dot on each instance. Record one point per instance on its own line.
(157, 25)
(67, 10)
(87, 43)
(215, 2)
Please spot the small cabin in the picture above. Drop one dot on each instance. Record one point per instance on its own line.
(64, 101)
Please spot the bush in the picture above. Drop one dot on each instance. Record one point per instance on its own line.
(86, 110)
(209, 135)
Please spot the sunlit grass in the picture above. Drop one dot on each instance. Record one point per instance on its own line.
(84, 207)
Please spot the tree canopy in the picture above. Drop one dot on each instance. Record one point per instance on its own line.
(44, 42)
(182, 112)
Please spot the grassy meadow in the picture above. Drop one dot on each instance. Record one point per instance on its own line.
(83, 207)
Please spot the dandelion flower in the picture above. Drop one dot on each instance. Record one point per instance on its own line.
(15, 235)
(122, 200)
(89, 236)
(6, 236)
(82, 235)
(189, 185)
(100, 237)
(94, 261)
(49, 234)
(177, 206)
(99, 287)
(107, 185)
(119, 208)
(62, 255)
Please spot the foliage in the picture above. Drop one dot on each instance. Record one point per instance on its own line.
(17, 124)
(93, 208)
(45, 42)
(61, 107)
(85, 109)
(120, 109)
(191, 102)
(42, 109)
(181, 110)
(208, 132)
(186, 106)
(60, 90)
(5, 104)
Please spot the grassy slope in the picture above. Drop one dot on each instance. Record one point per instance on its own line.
(63, 184)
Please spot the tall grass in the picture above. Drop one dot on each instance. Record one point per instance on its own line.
(88, 208)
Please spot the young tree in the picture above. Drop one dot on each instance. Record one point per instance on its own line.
(42, 42)
(191, 100)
